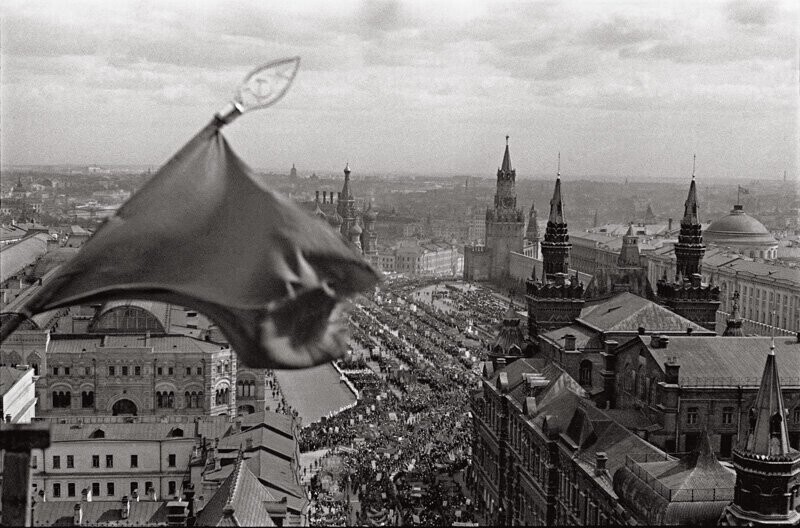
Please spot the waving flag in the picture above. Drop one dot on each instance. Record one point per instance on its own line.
(203, 234)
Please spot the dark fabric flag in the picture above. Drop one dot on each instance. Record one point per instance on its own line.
(203, 234)
(744, 190)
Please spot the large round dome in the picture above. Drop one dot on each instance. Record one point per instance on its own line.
(741, 231)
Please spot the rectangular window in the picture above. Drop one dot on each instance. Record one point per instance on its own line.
(727, 416)
(124, 371)
(134, 488)
(70, 461)
(110, 489)
(56, 462)
(109, 461)
(148, 486)
(111, 371)
(199, 371)
(95, 461)
(95, 489)
(134, 461)
(137, 371)
(56, 490)
(169, 371)
(160, 371)
(691, 415)
(70, 489)
(66, 371)
(171, 460)
(188, 371)
(55, 371)
(172, 488)
(87, 371)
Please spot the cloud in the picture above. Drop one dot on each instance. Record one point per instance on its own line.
(621, 31)
(752, 12)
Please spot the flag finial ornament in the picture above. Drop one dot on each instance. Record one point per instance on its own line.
(262, 87)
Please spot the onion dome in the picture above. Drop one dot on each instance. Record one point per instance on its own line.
(370, 215)
(319, 212)
(355, 229)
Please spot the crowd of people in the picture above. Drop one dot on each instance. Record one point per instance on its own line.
(406, 443)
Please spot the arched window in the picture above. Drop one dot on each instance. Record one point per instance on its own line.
(585, 372)
(99, 433)
(240, 388)
(252, 388)
(171, 400)
(87, 399)
(187, 400)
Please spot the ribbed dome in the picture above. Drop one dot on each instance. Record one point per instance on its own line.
(738, 228)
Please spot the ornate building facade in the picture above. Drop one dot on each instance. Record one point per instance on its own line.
(356, 226)
(686, 294)
(505, 230)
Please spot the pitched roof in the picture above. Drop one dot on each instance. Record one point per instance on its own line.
(66, 344)
(15, 257)
(627, 312)
(727, 361)
(239, 501)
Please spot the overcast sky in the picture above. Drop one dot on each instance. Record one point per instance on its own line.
(620, 88)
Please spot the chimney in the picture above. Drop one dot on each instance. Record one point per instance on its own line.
(689, 330)
(151, 493)
(600, 459)
(86, 495)
(77, 515)
(316, 199)
(42, 496)
(338, 197)
(642, 330)
(135, 495)
(609, 374)
(569, 342)
(188, 494)
(126, 507)
(669, 224)
(324, 197)
(659, 341)
(248, 443)
(671, 369)
(237, 425)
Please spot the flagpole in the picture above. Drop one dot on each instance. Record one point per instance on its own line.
(262, 87)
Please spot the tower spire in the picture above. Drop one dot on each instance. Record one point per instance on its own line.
(768, 435)
(506, 167)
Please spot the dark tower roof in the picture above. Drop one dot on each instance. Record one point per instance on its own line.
(506, 167)
(346, 193)
(629, 253)
(690, 216)
(768, 434)
(556, 204)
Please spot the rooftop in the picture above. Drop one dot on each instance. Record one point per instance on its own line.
(627, 312)
(727, 361)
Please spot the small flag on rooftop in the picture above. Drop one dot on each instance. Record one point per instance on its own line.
(203, 234)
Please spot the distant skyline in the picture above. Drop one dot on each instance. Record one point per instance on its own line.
(629, 89)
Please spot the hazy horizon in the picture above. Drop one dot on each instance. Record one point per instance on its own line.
(621, 89)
